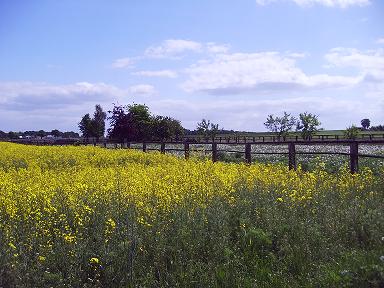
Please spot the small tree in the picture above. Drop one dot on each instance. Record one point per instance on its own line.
(94, 127)
(307, 125)
(41, 134)
(365, 123)
(56, 133)
(207, 128)
(166, 127)
(98, 122)
(351, 132)
(280, 125)
(85, 126)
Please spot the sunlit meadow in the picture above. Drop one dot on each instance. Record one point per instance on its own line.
(94, 217)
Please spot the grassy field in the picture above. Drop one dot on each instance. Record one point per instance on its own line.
(93, 217)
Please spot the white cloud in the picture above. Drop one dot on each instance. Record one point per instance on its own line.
(380, 41)
(40, 96)
(123, 63)
(156, 73)
(142, 90)
(370, 63)
(177, 48)
(48, 106)
(267, 71)
(173, 48)
(32, 96)
(327, 3)
(212, 47)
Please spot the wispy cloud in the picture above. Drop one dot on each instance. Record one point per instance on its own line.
(327, 3)
(380, 41)
(142, 90)
(172, 48)
(123, 63)
(370, 63)
(33, 96)
(265, 72)
(156, 73)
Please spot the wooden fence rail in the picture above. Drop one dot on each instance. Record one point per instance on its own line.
(292, 153)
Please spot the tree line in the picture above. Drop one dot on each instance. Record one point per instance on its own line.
(38, 134)
(133, 122)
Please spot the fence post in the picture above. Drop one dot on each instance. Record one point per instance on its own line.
(214, 152)
(186, 150)
(291, 156)
(162, 147)
(128, 144)
(144, 147)
(354, 158)
(248, 155)
(105, 143)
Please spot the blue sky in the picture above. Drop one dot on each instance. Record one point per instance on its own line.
(233, 62)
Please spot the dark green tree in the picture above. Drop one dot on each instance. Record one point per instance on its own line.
(351, 132)
(207, 129)
(131, 122)
(94, 127)
(85, 126)
(98, 122)
(41, 133)
(307, 125)
(56, 133)
(365, 123)
(280, 125)
(135, 123)
(164, 127)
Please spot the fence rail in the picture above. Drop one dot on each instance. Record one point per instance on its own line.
(353, 145)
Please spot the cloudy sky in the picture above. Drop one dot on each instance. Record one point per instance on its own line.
(233, 62)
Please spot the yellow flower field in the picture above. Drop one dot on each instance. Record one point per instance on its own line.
(78, 216)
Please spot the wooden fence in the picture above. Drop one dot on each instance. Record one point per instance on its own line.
(272, 138)
(353, 145)
(353, 153)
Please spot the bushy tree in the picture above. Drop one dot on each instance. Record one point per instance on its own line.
(207, 129)
(56, 133)
(135, 123)
(164, 127)
(365, 123)
(307, 125)
(85, 126)
(280, 125)
(351, 132)
(41, 133)
(94, 127)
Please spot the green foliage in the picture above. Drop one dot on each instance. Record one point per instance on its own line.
(98, 122)
(365, 123)
(351, 132)
(207, 129)
(56, 133)
(166, 127)
(307, 125)
(280, 125)
(136, 123)
(85, 126)
(94, 127)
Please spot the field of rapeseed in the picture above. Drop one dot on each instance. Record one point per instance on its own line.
(93, 217)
